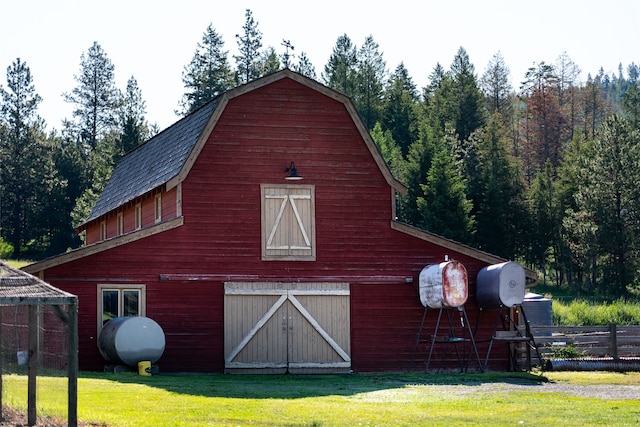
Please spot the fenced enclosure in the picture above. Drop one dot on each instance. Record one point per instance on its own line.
(594, 341)
(38, 343)
(610, 347)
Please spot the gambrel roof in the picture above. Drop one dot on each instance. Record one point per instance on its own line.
(167, 157)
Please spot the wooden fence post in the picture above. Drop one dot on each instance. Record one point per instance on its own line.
(32, 365)
(1, 367)
(613, 339)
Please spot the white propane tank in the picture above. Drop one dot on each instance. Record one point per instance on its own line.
(444, 285)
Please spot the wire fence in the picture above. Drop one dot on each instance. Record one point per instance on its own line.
(34, 339)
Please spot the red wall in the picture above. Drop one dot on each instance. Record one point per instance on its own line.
(147, 202)
(256, 137)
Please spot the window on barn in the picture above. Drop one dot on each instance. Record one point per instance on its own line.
(103, 230)
(120, 301)
(138, 216)
(120, 223)
(288, 222)
(158, 207)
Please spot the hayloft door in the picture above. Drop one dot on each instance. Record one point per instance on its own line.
(287, 327)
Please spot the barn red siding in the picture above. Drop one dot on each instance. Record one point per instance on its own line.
(147, 203)
(257, 136)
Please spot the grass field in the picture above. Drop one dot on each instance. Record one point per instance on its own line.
(17, 263)
(330, 400)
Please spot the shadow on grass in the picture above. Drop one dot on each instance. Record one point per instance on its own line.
(301, 386)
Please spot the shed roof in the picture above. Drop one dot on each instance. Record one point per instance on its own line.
(20, 288)
(153, 163)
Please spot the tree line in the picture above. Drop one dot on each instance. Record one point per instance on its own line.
(547, 173)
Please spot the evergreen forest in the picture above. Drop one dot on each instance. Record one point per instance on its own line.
(546, 173)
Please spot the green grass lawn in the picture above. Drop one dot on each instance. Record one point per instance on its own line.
(17, 263)
(327, 400)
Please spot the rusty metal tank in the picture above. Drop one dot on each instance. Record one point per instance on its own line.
(129, 340)
(500, 285)
(444, 285)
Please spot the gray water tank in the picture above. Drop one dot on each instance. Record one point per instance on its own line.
(129, 340)
(444, 285)
(538, 309)
(501, 285)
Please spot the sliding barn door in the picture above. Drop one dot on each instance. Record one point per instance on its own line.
(287, 327)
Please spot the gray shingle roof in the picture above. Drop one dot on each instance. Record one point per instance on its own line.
(154, 162)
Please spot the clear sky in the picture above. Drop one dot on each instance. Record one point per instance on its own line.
(153, 40)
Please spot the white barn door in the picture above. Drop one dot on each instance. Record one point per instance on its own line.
(287, 327)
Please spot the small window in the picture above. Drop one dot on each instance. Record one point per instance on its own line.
(288, 222)
(138, 216)
(158, 209)
(120, 301)
(103, 230)
(120, 224)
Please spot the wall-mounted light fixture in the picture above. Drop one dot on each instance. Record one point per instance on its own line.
(293, 173)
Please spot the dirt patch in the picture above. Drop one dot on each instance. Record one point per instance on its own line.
(604, 392)
(15, 418)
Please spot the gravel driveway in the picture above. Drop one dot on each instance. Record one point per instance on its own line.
(605, 392)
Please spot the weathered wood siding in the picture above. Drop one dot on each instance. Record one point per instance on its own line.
(256, 137)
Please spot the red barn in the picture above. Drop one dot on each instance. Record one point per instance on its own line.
(204, 230)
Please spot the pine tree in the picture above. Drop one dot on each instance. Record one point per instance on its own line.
(71, 162)
(631, 103)
(400, 113)
(208, 74)
(269, 62)
(419, 158)
(340, 72)
(390, 150)
(248, 62)
(604, 225)
(22, 156)
(444, 208)
(468, 114)
(497, 89)
(567, 256)
(546, 219)
(305, 67)
(98, 106)
(439, 102)
(52, 231)
(96, 97)
(435, 81)
(594, 107)
(101, 164)
(543, 121)
(568, 73)
(501, 209)
(134, 129)
(370, 81)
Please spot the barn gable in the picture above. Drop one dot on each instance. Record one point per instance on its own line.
(163, 163)
(226, 241)
(167, 158)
